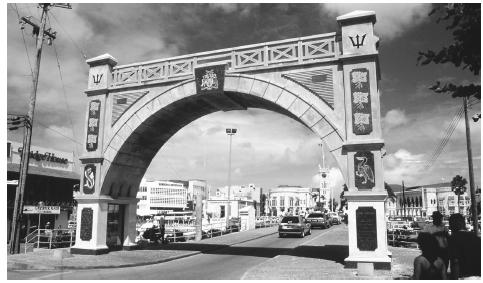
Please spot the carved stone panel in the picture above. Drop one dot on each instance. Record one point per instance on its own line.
(89, 182)
(210, 80)
(366, 227)
(86, 224)
(361, 102)
(364, 174)
(93, 125)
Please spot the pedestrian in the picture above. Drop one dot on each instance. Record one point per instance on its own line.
(429, 266)
(464, 249)
(440, 232)
(162, 229)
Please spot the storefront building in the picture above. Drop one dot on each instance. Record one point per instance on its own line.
(51, 178)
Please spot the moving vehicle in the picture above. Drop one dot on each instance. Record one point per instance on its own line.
(335, 219)
(319, 219)
(293, 225)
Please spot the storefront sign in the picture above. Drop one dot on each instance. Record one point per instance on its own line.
(364, 170)
(93, 125)
(50, 157)
(361, 102)
(89, 179)
(86, 224)
(33, 209)
(366, 228)
(210, 80)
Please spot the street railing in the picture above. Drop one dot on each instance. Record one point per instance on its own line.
(186, 230)
(400, 237)
(263, 222)
(50, 238)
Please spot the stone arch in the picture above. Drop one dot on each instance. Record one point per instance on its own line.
(142, 130)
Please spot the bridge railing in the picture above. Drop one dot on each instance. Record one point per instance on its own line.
(296, 51)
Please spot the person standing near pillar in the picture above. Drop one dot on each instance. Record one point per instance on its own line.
(162, 229)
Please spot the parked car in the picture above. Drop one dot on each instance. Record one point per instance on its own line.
(319, 220)
(293, 225)
(335, 219)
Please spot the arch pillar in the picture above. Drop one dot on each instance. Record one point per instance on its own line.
(363, 145)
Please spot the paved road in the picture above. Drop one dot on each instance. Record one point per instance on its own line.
(227, 263)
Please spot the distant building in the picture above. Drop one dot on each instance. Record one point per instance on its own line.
(422, 201)
(244, 195)
(289, 198)
(157, 197)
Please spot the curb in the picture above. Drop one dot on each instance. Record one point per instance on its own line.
(11, 266)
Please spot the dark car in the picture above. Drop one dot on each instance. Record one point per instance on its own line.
(319, 220)
(293, 225)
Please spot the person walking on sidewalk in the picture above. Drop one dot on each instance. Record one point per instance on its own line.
(429, 266)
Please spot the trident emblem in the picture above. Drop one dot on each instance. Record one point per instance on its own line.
(97, 78)
(357, 43)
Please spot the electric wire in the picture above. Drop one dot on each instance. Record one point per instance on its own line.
(84, 55)
(63, 90)
(446, 136)
(449, 131)
(24, 42)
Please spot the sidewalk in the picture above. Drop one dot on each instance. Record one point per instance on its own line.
(151, 254)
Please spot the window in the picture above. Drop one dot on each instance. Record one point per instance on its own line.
(222, 211)
(282, 202)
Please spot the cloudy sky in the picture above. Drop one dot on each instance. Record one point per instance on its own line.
(269, 149)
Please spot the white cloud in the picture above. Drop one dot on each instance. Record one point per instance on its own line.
(392, 19)
(393, 119)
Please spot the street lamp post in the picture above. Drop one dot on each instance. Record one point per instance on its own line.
(230, 132)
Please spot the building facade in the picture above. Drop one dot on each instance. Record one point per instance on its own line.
(286, 199)
(241, 196)
(157, 197)
(51, 178)
(422, 201)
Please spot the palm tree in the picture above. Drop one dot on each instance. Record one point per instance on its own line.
(458, 187)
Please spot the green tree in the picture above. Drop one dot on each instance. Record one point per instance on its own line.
(458, 187)
(464, 20)
(343, 200)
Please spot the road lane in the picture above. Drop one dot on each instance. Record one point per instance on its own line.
(226, 263)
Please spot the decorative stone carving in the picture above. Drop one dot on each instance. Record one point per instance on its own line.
(93, 125)
(361, 102)
(89, 182)
(364, 170)
(210, 80)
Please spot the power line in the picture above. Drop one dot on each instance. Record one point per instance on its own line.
(446, 136)
(84, 55)
(23, 38)
(49, 128)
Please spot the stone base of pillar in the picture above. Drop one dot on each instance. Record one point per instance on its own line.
(89, 251)
(130, 247)
(368, 250)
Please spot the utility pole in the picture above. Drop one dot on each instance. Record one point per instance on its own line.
(41, 32)
(474, 210)
(404, 200)
(230, 132)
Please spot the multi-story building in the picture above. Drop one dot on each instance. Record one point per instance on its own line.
(423, 200)
(157, 197)
(197, 187)
(284, 198)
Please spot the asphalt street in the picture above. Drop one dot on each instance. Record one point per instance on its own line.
(231, 262)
